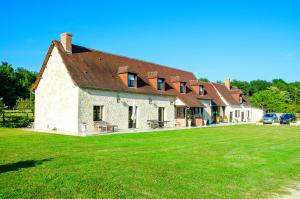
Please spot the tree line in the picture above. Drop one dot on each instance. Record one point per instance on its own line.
(272, 96)
(16, 86)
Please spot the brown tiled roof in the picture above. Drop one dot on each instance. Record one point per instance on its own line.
(90, 68)
(206, 90)
(190, 100)
(238, 91)
(235, 91)
(223, 90)
(209, 88)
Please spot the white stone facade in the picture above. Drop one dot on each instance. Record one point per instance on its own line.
(56, 98)
(246, 110)
(257, 114)
(207, 109)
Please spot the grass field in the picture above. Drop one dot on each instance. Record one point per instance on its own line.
(223, 162)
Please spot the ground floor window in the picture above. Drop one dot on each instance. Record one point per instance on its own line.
(196, 112)
(132, 116)
(98, 113)
(180, 112)
(237, 113)
(230, 116)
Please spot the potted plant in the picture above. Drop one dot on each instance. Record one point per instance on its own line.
(189, 122)
(221, 119)
(204, 121)
(225, 119)
(218, 119)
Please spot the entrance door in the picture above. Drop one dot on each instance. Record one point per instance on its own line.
(215, 113)
(161, 116)
(132, 117)
(242, 117)
(230, 116)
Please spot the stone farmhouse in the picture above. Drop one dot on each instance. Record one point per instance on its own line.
(79, 86)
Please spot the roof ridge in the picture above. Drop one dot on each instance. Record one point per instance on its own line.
(219, 94)
(218, 83)
(135, 59)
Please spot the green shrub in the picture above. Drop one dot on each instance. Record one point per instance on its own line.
(18, 122)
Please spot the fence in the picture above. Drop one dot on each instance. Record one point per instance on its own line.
(15, 118)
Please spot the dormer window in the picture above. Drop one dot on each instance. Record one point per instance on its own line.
(241, 99)
(160, 84)
(131, 80)
(182, 87)
(201, 90)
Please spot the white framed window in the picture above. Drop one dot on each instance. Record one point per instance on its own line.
(237, 113)
(201, 90)
(182, 87)
(160, 84)
(131, 80)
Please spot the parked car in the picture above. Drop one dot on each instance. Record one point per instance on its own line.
(287, 118)
(270, 118)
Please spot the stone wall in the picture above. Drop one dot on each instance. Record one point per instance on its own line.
(56, 98)
(117, 113)
(241, 108)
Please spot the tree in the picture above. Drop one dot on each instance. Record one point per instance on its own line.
(2, 105)
(25, 104)
(244, 86)
(272, 100)
(203, 79)
(258, 85)
(15, 83)
(8, 84)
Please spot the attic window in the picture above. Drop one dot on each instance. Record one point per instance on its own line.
(201, 90)
(160, 84)
(241, 99)
(131, 80)
(182, 87)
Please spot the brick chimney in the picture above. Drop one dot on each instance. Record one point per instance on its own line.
(227, 83)
(66, 41)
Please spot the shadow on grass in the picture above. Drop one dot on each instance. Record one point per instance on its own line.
(22, 164)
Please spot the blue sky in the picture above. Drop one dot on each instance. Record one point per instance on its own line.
(243, 40)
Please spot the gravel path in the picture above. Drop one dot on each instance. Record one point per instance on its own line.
(294, 193)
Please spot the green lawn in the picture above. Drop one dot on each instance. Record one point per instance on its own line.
(223, 162)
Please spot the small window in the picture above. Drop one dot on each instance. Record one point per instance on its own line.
(241, 99)
(98, 113)
(201, 90)
(237, 113)
(160, 84)
(180, 112)
(182, 87)
(131, 80)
